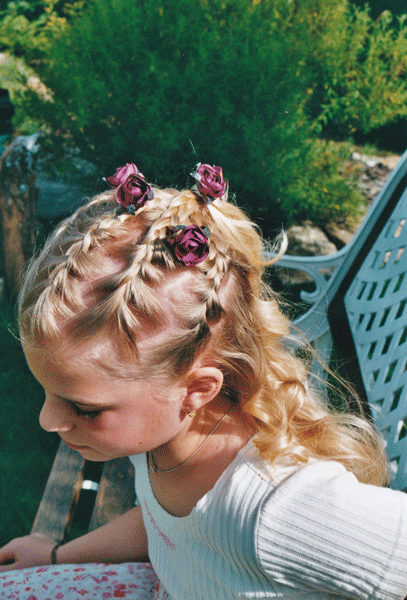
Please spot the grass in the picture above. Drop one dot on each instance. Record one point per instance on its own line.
(26, 451)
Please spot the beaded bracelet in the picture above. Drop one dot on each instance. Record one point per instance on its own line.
(54, 553)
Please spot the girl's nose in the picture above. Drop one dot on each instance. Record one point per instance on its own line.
(54, 416)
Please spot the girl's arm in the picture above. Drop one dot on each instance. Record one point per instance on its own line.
(122, 540)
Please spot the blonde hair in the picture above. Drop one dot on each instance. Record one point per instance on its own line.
(225, 306)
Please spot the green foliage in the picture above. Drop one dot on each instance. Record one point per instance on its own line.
(27, 28)
(146, 81)
(241, 83)
(326, 190)
(360, 69)
(26, 451)
(376, 7)
(16, 77)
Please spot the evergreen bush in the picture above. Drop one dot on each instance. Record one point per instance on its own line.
(360, 70)
(155, 83)
(376, 7)
(327, 191)
(173, 82)
(27, 27)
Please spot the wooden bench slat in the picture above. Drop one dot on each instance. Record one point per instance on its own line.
(61, 494)
(116, 493)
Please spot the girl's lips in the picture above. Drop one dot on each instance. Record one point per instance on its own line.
(75, 447)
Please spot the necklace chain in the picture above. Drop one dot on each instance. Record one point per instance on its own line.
(153, 467)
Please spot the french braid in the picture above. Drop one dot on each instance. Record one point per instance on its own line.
(70, 255)
(151, 254)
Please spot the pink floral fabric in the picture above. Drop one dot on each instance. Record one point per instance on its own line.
(133, 581)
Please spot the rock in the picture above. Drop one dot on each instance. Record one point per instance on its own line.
(339, 236)
(369, 161)
(374, 174)
(308, 240)
(58, 199)
(372, 161)
(303, 240)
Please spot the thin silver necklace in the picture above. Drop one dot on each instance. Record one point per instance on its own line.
(151, 462)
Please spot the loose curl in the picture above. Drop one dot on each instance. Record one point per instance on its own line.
(226, 309)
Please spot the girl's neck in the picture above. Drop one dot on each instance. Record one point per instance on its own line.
(179, 490)
(155, 469)
(205, 436)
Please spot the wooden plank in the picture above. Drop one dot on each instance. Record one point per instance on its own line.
(61, 494)
(116, 493)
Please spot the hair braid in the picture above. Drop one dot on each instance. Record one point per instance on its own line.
(150, 254)
(187, 208)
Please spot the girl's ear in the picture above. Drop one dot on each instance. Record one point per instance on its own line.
(203, 384)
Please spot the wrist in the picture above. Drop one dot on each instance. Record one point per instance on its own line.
(53, 559)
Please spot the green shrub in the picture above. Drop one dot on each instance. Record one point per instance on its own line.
(148, 82)
(26, 31)
(327, 189)
(170, 83)
(27, 27)
(16, 76)
(360, 69)
(376, 7)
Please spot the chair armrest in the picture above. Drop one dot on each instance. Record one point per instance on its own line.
(321, 269)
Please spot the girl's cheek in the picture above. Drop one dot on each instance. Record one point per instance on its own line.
(108, 422)
(100, 423)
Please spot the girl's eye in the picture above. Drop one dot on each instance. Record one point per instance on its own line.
(87, 414)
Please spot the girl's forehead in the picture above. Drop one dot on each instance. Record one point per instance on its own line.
(67, 352)
(101, 353)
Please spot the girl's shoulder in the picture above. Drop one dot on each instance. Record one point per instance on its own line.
(319, 491)
(290, 486)
(329, 528)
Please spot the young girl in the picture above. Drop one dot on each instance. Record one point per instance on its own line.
(146, 321)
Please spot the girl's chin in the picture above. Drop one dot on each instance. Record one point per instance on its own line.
(98, 456)
(95, 455)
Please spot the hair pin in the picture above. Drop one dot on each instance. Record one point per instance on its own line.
(210, 181)
(132, 190)
(190, 244)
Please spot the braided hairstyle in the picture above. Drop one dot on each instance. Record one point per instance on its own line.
(104, 271)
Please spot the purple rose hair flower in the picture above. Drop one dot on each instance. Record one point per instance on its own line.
(191, 245)
(210, 180)
(122, 173)
(134, 191)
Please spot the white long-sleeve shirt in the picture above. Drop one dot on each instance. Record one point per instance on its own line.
(279, 532)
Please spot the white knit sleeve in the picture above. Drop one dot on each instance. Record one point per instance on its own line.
(322, 530)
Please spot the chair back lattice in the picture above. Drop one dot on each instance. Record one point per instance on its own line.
(376, 306)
